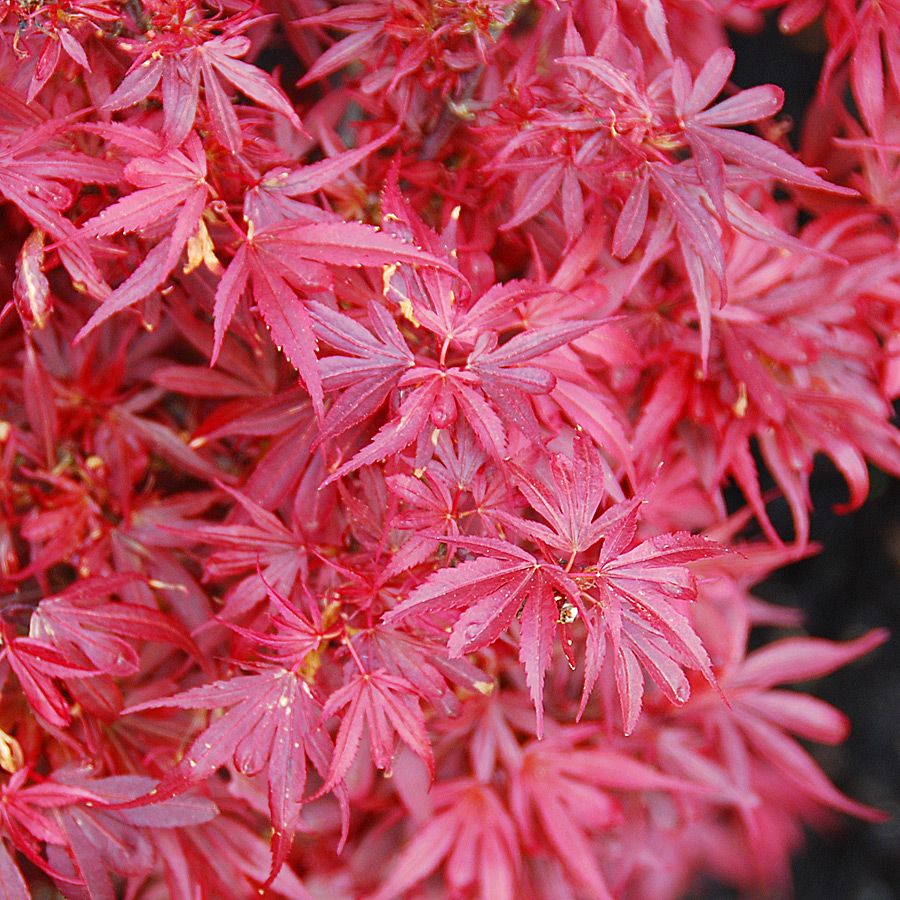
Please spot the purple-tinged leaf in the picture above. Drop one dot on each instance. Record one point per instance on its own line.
(632, 219)
(761, 156)
(174, 813)
(272, 721)
(802, 659)
(368, 374)
(140, 80)
(12, 883)
(84, 856)
(385, 704)
(538, 196)
(395, 435)
(751, 105)
(89, 623)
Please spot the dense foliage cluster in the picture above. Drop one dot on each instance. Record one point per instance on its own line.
(371, 376)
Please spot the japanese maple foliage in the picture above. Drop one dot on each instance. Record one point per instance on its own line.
(371, 377)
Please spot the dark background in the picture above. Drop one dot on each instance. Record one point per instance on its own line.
(851, 586)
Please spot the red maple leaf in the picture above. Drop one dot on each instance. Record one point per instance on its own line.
(272, 723)
(172, 183)
(38, 666)
(183, 56)
(81, 622)
(491, 385)
(385, 704)
(562, 794)
(637, 598)
(472, 834)
(569, 500)
(269, 556)
(280, 260)
(494, 590)
(767, 717)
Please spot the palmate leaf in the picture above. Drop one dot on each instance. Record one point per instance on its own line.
(369, 371)
(37, 665)
(280, 259)
(495, 590)
(79, 620)
(29, 818)
(180, 89)
(568, 503)
(430, 503)
(511, 373)
(181, 68)
(700, 240)
(84, 840)
(632, 600)
(472, 834)
(272, 722)
(223, 858)
(491, 390)
(562, 794)
(170, 183)
(27, 179)
(102, 842)
(274, 199)
(760, 723)
(440, 300)
(711, 131)
(422, 660)
(398, 433)
(385, 704)
(639, 612)
(219, 61)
